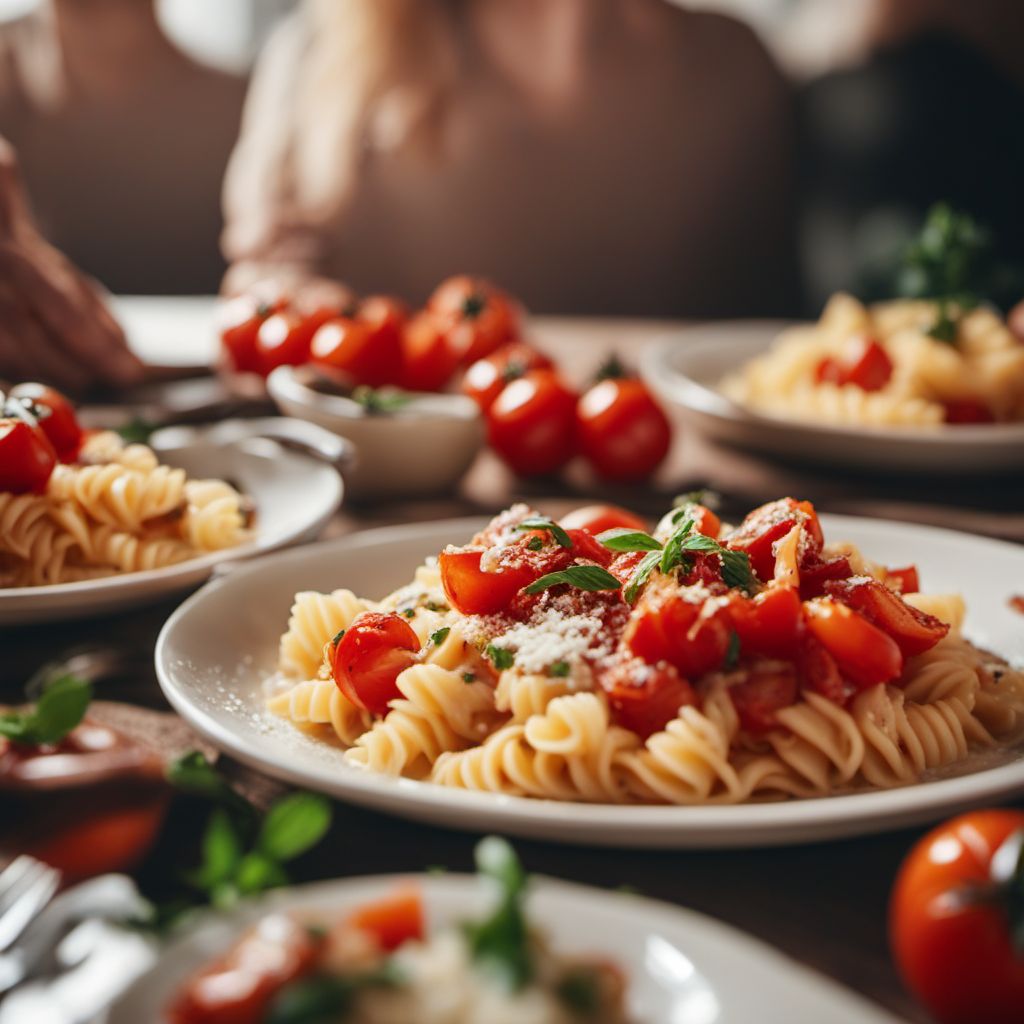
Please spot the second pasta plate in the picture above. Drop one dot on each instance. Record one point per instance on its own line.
(218, 654)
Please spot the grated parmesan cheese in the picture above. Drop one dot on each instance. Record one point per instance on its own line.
(550, 637)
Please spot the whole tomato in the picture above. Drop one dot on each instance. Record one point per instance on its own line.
(622, 430)
(476, 316)
(954, 911)
(487, 377)
(240, 320)
(56, 415)
(531, 424)
(428, 361)
(26, 457)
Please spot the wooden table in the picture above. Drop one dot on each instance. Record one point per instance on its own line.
(823, 904)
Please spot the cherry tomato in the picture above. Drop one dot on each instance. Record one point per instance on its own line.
(240, 986)
(56, 418)
(392, 921)
(599, 518)
(283, 339)
(816, 572)
(240, 320)
(765, 691)
(768, 624)
(645, 698)
(622, 430)
(759, 531)
(355, 348)
(906, 579)
(705, 521)
(486, 378)
(863, 363)
(26, 457)
(369, 657)
(477, 317)
(864, 653)
(428, 361)
(475, 592)
(624, 565)
(967, 411)
(914, 631)
(950, 918)
(531, 424)
(671, 628)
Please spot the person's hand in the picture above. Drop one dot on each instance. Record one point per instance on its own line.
(54, 326)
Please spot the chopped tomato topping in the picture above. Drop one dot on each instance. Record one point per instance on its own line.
(705, 521)
(765, 691)
(598, 518)
(768, 624)
(393, 920)
(905, 579)
(914, 631)
(816, 572)
(645, 698)
(864, 653)
(758, 533)
(864, 363)
(472, 591)
(673, 629)
(369, 657)
(818, 671)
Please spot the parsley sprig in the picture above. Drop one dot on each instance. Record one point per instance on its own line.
(60, 708)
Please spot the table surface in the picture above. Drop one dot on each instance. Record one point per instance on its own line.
(823, 904)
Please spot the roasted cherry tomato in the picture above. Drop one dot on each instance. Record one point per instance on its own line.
(766, 690)
(816, 573)
(954, 910)
(863, 363)
(622, 429)
(967, 411)
(704, 520)
(598, 518)
(645, 698)
(239, 987)
(905, 579)
(477, 317)
(26, 457)
(531, 424)
(428, 361)
(486, 378)
(757, 534)
(369, 657)
(475, 592)
(354, 348)
(56, 417)
(767, 625)
(914, 631)
(864, 653)
(818, 671)
(240, 321)
(668, 627)
(283, 339)
(393, 920)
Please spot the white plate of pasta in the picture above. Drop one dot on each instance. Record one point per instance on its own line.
(396, 949)
(564, 684)
(90, 523)
(864, 387)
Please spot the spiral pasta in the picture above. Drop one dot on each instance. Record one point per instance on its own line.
(317, 702)
(315, 619)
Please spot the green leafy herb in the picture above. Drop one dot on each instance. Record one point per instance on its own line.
(535, 544)
(469, 677)
(672, 553)
(732, 652)
(439, 636)
(559, 669)
(580, 991)
(293, 825)
(640, 575)
(59, 709)
(336, 639)
(624, 539)
(945, 326)
(500, 942)
(702, 496)
(136, 431)
(583, 577)
(378, 403)
(736, 569)
(501, 657)
(325, 998)
(561, 538)
(194, 775)
(409, 612)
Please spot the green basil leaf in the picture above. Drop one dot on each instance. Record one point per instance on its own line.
(257, 873)
(222, 852)
(15, 725)
(439, 636)
(625, 539)
(559, 669)
(672, 553)
(540, 523)
(61, 707)
(736, 571)
(193, 774)
(698, 542)
(641, 574)
(294, 824)
(583, 577)
(500, 657)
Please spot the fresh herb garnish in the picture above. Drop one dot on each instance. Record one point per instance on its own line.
(136, 431)
(409, 613)
(732, 652)
(193, 774)
(641, 574)
(561, 538)
(500, 943)
(61, 707)
(324, 998)
(336, 639)
(379, 402)
(535, 544)
(439, 636)
(469, 677)
(579, 990)
(702, 496)
(559, 669)
(583, 577)
(624, 539)
(501, 657)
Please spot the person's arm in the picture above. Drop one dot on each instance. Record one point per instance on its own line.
(54, 326)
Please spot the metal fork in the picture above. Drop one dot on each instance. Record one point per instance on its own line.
(26, 886)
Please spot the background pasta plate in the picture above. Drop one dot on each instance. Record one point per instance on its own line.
(686, 367)
(294, 496)
(681, 965)
(216, 651)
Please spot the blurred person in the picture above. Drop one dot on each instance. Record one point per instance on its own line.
(591, 156)
(54, 326)
(123, 141)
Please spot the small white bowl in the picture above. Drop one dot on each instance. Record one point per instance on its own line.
(422, 448)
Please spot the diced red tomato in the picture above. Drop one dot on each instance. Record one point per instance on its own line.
(393, 920)
(26, 457)
(863, 363)
(584, 545)
(865, 654)
(818, 671)
(766, 690)
(428, 361)
(487, 377)
(768, 624)
(598, 518)
(815, 573)
(623, 565)
(239, 987)
(905, 579)
(757, 534)
(966, 412)
(705, 521)
(914, 631)
(56, 416)
(671, 628)
(645, 698)
(368, 659)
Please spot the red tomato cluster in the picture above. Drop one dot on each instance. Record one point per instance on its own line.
(38, 429)
(372, 341)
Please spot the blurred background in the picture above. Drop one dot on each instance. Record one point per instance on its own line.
(749, 166)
